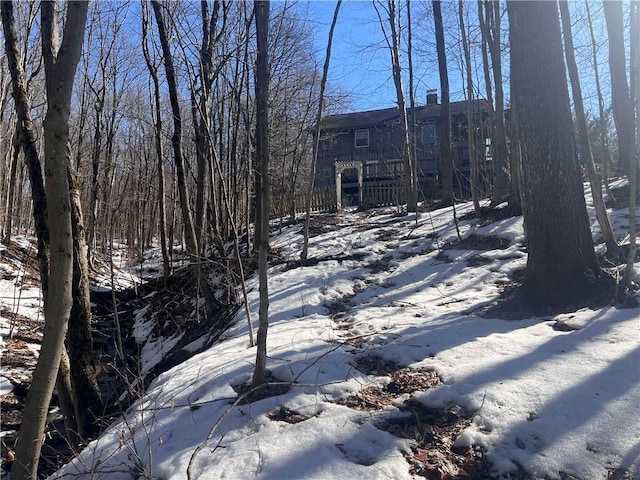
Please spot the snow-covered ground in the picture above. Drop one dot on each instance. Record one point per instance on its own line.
(545, 400)
(16, 298)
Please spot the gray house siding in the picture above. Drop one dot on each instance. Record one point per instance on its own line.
(380, 157)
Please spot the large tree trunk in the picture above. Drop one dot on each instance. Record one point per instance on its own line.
(562, 268)
(87, 394)
(27, 135)
(583, 134)
(446, 160)
(626, 294)
(60, 67)
(261, 9)
(622, 102)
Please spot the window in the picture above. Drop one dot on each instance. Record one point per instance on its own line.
(362, 138)
(327, 143)
(429, 133)
(488, 150)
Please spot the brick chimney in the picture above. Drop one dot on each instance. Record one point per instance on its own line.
(432, 97)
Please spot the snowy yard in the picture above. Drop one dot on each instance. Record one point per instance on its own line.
(549, 397)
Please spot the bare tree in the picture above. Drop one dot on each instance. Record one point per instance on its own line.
(622, 102)
(208, 68)
(602, 121)
(471, 140)
(393, 43)
(27, 136)
(562, 268)
(27, 132)
(446, 159)
(625, 296)
(500, 151)
(191, 239)
(86, 392)
(158, 134)
(16, 147)
(316, 134)
(176, 139)
(60, 63)
(585, 145)
(261, 12)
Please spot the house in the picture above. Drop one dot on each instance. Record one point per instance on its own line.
(360, 153)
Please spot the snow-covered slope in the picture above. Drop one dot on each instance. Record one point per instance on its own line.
(544, 400)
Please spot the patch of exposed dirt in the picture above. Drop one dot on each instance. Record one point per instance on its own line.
(403, 381)
(24, 259)
(478, 242)
(442, 257)
(322, 224)
(387, 234)
(433, 431)
(11, 406)
(312, 261)
(374, 365)
(18, 354)
(285, 414)
(516, 301)
(489, 215)
(478, 261)
(381, 265)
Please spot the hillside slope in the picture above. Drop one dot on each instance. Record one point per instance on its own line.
(383, 368)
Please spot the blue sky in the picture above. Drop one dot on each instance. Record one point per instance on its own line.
(360, 61)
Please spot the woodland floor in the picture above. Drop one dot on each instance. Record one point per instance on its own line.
(432, 431)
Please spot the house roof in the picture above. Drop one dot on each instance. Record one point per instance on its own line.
(375, 118)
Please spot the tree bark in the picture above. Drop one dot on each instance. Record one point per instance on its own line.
(412, 105)
(626, 295)
(602, 122)
(562, 268)
(405, 153)
(500, 151)
(446, 160)
(60, 67)
(261, 9)
(27, 135)
(316, 134)
(471, 139)
(11, 191)
(484, 31)
(622, 102)
(153, 71)
(585, 145)
(82, 359)
(176, 138)
(191, 239)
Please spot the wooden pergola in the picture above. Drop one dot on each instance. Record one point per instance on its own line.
(341, 167)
